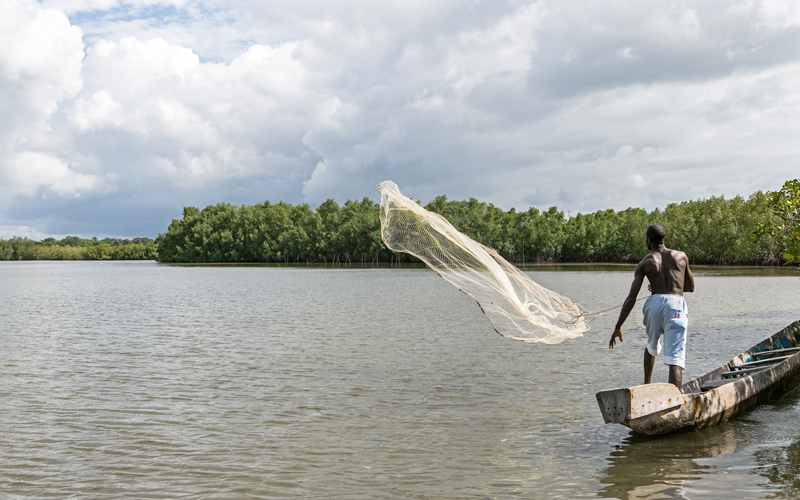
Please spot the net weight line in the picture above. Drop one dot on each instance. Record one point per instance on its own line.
(594, 314)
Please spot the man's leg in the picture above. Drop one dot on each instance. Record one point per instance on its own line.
(675, 375)
(675, 340)
(652, 323)
(649, 363)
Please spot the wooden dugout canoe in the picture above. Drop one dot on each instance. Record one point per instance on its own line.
(761, 373)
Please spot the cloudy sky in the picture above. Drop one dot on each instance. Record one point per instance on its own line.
(115, 114)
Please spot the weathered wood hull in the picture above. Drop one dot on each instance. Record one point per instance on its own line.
(700, 409)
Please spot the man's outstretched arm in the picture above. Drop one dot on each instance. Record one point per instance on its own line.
(627, 306)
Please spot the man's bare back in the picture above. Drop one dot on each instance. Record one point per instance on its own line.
(668, 273)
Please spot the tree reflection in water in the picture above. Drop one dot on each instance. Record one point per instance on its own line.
(781, 466)
(661, 468)
(780, 463)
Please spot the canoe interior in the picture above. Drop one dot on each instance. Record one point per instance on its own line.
(787, 338)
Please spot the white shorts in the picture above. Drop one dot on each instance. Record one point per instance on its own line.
(667, 315)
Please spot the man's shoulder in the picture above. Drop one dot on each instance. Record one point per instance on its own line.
(650, 257)
(647, 262)
(678, 254)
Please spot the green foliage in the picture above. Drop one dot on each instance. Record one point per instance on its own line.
(6, 250)
(261, 233)
(275, 233)
(782, 224)
(717, 231)
(712, 231)
(74, 248)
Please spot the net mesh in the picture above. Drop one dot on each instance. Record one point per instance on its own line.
(515, 305)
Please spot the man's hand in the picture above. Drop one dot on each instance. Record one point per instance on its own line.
(617, 333)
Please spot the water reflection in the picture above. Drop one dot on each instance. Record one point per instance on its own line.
(698, 270)
(781, 466)
(728, 271)
(647, 468)
(780, 463)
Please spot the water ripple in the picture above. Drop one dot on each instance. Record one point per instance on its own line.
(136, 380)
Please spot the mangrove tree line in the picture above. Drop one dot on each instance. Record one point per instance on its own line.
(711, 231)
(75, 248)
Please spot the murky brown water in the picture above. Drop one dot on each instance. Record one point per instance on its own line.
(137, 380)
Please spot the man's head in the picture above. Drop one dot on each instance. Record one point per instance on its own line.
(655, 236)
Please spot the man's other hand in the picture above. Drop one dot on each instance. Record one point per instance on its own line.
(617, 333)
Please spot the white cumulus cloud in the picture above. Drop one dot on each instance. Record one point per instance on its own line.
(144, 106)
(40, 67)
(28, 171)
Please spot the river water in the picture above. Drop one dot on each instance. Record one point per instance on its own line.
(137, 380)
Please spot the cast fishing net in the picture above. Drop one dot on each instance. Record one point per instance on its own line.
(515, 305)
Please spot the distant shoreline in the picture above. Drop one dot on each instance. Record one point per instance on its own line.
(416, 265)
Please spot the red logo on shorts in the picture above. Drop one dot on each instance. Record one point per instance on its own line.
(677, 316)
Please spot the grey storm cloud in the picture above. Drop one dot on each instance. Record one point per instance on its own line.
(116, 114)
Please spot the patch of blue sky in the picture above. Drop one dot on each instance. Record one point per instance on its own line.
(155, 14)
(181, 26)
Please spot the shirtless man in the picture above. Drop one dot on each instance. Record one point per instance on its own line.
(665, 310)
